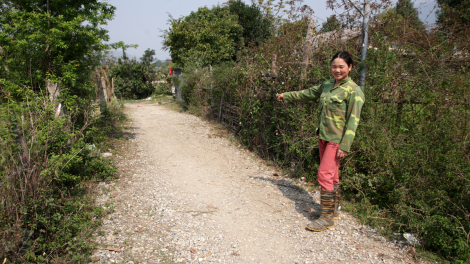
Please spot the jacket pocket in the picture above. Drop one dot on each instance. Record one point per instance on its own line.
(336, 99)
(337, 104)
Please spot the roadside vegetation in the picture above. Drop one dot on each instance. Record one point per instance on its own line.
(409, 167)
(137, 79)
(50, 140)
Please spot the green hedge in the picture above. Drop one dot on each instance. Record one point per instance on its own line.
(410, 160)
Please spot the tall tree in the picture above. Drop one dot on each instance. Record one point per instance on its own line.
(54, 40)
(256, 26)
(454, 14)
(406, 9)
(205, 37)
(148, 58)
(331, 24)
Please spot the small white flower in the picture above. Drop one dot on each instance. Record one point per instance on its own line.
(282, 82)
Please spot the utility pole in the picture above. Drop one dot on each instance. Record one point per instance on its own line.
(365, 37)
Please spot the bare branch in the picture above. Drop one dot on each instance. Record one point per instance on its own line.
(359, 10)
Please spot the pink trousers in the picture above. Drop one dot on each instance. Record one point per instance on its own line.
(329, 165)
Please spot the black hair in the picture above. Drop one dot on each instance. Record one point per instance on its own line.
(346, 56)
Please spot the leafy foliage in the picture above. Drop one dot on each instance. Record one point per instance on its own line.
(331, 24)
(204, 37)
(46, 160)
(56, 42)
(53, 166)
(408, 11)
(454, 15)
(211, 36)
(147, 59)
(132, 79)
(280, 11)
(256, 26)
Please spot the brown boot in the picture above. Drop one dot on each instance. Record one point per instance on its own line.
(325, 221)
(337, 198)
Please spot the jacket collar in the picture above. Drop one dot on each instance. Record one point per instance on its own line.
(341, 83)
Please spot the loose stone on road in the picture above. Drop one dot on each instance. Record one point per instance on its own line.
(186, 194)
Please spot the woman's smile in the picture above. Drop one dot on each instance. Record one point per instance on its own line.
(340, 69)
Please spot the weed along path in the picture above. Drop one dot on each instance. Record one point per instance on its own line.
(187, 194)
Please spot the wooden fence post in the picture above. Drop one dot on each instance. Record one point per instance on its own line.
(307, 45)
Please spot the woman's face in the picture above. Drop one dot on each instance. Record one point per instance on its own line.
(340, 69)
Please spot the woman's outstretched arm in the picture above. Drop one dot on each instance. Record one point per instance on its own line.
(309, 94)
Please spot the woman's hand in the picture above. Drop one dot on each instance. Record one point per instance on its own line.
(280, 97)
(341, 153)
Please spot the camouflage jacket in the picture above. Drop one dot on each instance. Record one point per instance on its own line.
(340, 109)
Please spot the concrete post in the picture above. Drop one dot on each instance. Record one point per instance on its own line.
(365, 43)
(100, 83)
(307, 45)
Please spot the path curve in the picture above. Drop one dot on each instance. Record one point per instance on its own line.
(186, 194)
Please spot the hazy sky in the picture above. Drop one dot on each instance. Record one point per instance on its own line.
(139, 21)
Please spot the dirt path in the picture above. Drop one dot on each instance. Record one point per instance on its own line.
(187, 195)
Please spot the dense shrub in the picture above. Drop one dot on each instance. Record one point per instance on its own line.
(45, 167)
(133, 79)
(409, 164)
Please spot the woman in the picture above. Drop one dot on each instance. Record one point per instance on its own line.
(341, 100)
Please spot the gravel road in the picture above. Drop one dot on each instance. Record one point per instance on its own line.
(186, 194)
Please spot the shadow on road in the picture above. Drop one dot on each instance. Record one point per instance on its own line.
(125, 134)
(301, 198)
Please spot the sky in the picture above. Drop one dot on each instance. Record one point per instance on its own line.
(141, 21)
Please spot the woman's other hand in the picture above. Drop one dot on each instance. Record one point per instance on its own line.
(341, 153)
(280, 97)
